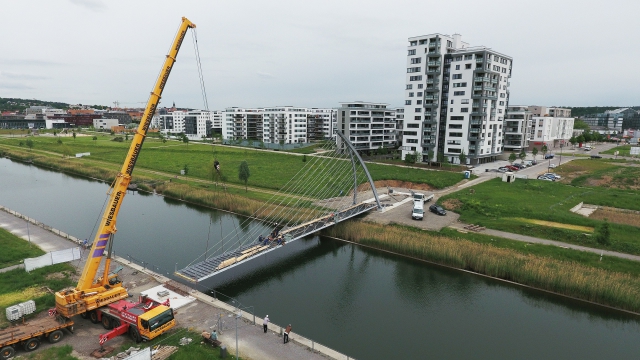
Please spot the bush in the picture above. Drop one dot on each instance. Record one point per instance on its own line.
(603, 233)
(118, 139)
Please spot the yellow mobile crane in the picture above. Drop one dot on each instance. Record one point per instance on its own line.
(91, 292)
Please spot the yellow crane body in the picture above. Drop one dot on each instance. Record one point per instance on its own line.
(92, 292)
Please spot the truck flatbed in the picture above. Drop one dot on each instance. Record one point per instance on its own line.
(29, 334)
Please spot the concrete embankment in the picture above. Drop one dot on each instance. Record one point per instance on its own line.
(253, 343)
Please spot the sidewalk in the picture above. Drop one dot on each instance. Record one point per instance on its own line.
(530, 239)
(47, 241)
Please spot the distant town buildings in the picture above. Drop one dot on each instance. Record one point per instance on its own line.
(618, 120)
(369, 126)
(455, 99)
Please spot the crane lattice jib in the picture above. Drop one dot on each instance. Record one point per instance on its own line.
(102, 242)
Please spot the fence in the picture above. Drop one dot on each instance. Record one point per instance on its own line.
(42, 225)
(54, 257)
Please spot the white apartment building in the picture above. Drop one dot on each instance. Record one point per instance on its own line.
(196, 124)
(369, 126)
(173, 122)
(105, 123)
(280, 124)
(455, 99)
(399, 124)
(517, 125)
(551, 131)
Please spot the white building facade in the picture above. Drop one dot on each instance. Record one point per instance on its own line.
(455, 100)
(369, 126)
(554, 132)
(517, 125)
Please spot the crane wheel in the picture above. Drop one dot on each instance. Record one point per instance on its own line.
(31, 344)
(107, 323)
(55, 336)
(84, 315)
(7, 352)
(93, 316)
(135, 335)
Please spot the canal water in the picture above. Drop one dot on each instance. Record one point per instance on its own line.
(364, 303)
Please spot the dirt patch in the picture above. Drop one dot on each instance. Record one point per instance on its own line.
(618, 216)
(402, 184)
(604, 181)
(556, 225)
(452, 204)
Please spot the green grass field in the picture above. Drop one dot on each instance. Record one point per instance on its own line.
(624, 150)
(269, 169)
(497, 205)
(15, 249)
(604, 173)
(53, 353)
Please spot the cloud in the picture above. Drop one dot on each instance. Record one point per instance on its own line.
(15, 86)
(93, 5)
(265, 75)
(13, 76)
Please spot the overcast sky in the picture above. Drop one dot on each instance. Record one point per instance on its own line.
(309, 53)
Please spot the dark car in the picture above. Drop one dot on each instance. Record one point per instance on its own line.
(437, 210)
(596, 157)
(549, 156)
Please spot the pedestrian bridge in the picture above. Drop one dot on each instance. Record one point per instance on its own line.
(334, 185)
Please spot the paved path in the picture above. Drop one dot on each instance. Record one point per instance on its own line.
(45, 239)
(530, 239)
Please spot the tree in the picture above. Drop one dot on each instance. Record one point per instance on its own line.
(581, 139)
(603, 233)
(95, 140)
(74, 135)
(281, 144)
(243, 173)
(185, 169)
(463, 158)
(430, 154)
(512, 158)
(534, 151)
(440, 158)
(544, 149)
(304, 158)
(29, 143)
(59, 141)
(185, 140)
(55, 133)
(522, 155)
(573, 141)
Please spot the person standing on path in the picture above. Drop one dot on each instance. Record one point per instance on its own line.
(286, 334)
(265, 322)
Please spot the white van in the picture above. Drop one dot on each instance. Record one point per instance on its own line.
(418, 211)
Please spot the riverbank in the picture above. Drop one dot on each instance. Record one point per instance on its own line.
(568, 278)
(253, 343)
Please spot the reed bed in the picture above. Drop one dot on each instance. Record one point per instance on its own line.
(564, 277)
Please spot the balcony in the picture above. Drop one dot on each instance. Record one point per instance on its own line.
(431, 97)
(477, 88)
(476, 122)
(475, 130)
(433, 70)
(433, 63)
(479, 60)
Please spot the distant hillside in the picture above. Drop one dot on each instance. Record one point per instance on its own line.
(14, 104)
(581, 111)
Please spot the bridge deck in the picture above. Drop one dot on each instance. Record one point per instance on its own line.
(214, 265)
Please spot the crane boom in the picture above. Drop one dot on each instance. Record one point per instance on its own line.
(90, 292)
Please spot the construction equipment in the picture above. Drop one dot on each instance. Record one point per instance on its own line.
(145, 319)
(30, 334)
(93, 293)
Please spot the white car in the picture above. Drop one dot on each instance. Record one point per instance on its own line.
(552, 166)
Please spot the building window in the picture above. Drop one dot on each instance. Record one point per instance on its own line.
(468, 57)
(407, 102)
(456, 76)
(457, 67)
(416, 60)
(410, 126)
(501, 102)
(464, 110)
(419, 86)
(458, 93)
(409, 86)
(501, 95)
(413, 43)
(413, 69)
(412, 141)
(418, 102)
(415, 78)
(452, 101)
(419, 93)
(417, 117)
(418, 109)
(410, 94)
(455, 134)
(457, 118)
(467, 66)
(412, 52)
(464, 101)
(454, 150)
(462, 84)
(458, 58)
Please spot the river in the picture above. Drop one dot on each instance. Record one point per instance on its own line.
(362, 302)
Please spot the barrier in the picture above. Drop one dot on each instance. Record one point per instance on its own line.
(54, 257)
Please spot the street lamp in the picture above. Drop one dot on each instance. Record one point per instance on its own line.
(561, 145)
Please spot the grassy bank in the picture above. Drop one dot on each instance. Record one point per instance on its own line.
(53, 353)
(269, 169)
(17, 286)
(507, 207)
(625, 150)
(565, 277)
(14, 249)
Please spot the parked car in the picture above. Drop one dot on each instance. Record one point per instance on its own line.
(549, 156)
(418, 210)
(554, 175)
(552, 166)
(547, 178)
(596, 157)
(437, 210)
(534, 162)
(512, 168)
(519, 166)
(503, 169)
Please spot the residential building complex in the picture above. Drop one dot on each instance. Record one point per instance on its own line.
(369, 126)
(618, 120)
(455, 99)
(551, 131)
(517, 124)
